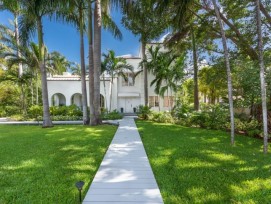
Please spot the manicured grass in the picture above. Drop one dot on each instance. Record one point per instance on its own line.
(42, 165)
(199, 166)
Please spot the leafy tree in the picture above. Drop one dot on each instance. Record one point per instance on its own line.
(212, 82)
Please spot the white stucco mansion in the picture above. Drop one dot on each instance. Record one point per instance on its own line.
(126, 95)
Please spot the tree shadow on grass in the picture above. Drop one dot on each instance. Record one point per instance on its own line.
(42, 165)
(193, 165)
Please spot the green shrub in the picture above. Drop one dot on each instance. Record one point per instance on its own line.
(2, 111)
(161, 117)
(35, 111)
(114, 115)
(251, 128)
(181, 110)
(66, 118)
(143, 112)
(11, 110)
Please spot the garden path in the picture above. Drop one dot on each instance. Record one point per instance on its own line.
(125, 175)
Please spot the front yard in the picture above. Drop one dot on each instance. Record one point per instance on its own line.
(42, 165)
(193, 165)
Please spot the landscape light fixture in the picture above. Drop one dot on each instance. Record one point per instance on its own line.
(79, 185)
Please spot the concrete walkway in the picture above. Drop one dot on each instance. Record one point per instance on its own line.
(125, 175)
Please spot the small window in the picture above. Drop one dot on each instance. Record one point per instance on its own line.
(168, 101)
(154, 101)
(129, 81)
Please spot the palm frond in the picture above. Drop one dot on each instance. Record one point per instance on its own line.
(111, 26)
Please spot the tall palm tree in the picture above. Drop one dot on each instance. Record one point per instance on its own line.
(143, 20)
(226, 56)
(31, 21)
(14, 7)
(115, 66)
(97, 60)
(75, 13)
(100, 17)
(262, 74)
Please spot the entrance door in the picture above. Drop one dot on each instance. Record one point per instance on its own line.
(129, 105)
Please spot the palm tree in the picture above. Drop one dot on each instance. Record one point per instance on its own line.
(97, 60)
(57, 63)
(101, 9)
(75, 13)
(31, 21)
(14, 7)
(30, 58)
(167, 69)
(226, 56)
(142, 19)
(262, 74)
(115, 66)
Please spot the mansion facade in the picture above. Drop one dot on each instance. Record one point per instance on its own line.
(126, 97)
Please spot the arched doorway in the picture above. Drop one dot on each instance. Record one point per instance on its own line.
(76, 99)
(58, 99)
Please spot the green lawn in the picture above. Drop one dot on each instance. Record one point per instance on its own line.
(194, 165)
(42, 165)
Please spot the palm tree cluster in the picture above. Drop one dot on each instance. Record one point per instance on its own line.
(28, 20)
(194, 26)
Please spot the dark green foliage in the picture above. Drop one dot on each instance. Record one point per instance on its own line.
(143, 112)
(161, 117)
(35, 111)
(9, 110)
(58, 113)
(114, 115)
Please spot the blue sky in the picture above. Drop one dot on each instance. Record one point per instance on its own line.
(65, 38)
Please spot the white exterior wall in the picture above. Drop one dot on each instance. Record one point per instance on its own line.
(123, 97)
(70, 87)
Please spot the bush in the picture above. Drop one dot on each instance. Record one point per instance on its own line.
(143, 112)
(161, 117)
(251, 128)
(66, 118)
(114, 115)
(10, 110)
(35, 111)
(181, 111)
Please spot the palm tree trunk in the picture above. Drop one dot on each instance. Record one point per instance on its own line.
(226, 56)
(145, 71)
(195, 61)
(97, 60)
(111, 92)
(37, 90)
(18, 43)
(262, 76)
(91, 66)
(83, 71)
(105, 98)
(47, 122)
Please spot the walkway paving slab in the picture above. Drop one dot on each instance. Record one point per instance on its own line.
(125, 175)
